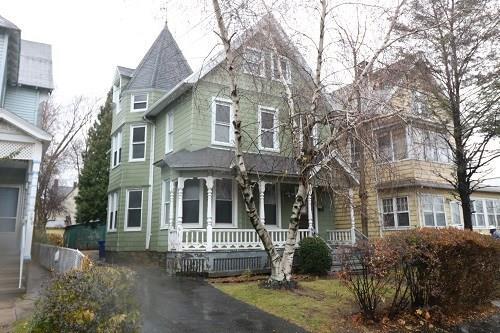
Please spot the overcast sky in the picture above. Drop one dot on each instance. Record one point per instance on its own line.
(90, 37)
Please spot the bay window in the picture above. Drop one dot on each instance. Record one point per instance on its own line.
(433, 211)
(392, 145)
(112, 211)
(223, 197)
(137, 151)
(139, 102)
(395, 213)
(191, 201)
(430, 146)
(165, 205)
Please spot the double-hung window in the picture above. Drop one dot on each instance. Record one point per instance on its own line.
(134, 210)
(486, 213)
(116, 149)
(268, 129)
(283, 63)
(223, 201)
(165, 206)
(191, 201)
(490, 212)
(354, 152)
(433, 211)
(139, 102)
(478, 218)
(392, 145)
(222, 130)
(253, 62)
(456, 217)
(270, 205)
(137, 151)
(395, 212)
(169, 140)
(112, 211)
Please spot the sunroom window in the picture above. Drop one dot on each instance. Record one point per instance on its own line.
(392, 145)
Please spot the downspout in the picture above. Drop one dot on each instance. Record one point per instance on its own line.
(150, 190)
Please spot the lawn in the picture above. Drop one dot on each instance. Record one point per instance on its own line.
(321, 305)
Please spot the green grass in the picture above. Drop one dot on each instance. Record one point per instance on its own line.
(318, 306)
(21, 326)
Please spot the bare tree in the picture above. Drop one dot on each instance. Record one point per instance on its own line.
(65, 124)
(459, 42)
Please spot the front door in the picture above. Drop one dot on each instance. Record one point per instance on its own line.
(9, 220)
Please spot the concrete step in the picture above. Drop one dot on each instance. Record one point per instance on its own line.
(10, 290)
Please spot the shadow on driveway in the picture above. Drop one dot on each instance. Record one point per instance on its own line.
(180, 304)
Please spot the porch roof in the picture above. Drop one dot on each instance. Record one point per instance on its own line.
(221, 159)
(25, 126)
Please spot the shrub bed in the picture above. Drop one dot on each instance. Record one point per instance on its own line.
(98, 299)
(448, 268)
(314, 256)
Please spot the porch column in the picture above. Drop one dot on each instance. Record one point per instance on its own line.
(178, 223)
(351, 211)
(310, 220)
(209, 181)
(171, 212)
(262, 214)
(30, 205)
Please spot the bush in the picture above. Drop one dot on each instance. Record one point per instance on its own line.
(99, 299)
(314, 256)
(448, 268)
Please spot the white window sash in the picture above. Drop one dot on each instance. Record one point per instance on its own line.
(132, 143)
(274, 130)
(215, 101)
(133, 102)
(125, 225)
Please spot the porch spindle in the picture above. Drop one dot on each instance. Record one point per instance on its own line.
(209, 181)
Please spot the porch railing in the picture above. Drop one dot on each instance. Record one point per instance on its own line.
(227, 239)
(340, 237)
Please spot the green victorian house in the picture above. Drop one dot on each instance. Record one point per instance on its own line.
(172, 189)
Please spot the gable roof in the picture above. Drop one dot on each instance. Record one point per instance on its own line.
(35, 67)
(163, 66)
(25, 126)
(125, 71)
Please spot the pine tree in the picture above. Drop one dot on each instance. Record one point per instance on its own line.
(92, 199)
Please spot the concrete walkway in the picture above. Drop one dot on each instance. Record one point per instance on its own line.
(172, 304)
(18, 306)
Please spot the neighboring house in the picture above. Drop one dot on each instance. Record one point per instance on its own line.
(25, 83)
(406, 176)
(172, 188)
(66, 216)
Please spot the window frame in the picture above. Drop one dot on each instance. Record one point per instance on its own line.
(127, 203)
(169, 132)
(112, 220)
(116, 146)
(219, 100)
(434, 211)
(288, 75)
(276, 143)
(164, 215)
(395, 212)
(474, 214)
(496, 213)
(262, 73)
(131, 143)
(389, 132)
(460, 217)
(234, 206)
(133, 102)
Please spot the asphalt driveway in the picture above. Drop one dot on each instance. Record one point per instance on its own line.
(179, 304)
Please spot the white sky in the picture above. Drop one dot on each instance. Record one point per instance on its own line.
(90, 37)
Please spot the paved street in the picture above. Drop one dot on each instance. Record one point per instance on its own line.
(172, 304)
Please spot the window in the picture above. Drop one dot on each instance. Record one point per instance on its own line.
(419, 104)
(395, 212)
(268, 129)
(392, 145)
(223, 201)
(138, 143)
(169, 140)
(486, 213)
(116, 98)
(222, 132)
(116, 149)
(191, 201)
(112, 211)
(433, 211)
(285, 68)
(430, 146)
(456, 218)
(165, 214)
(270, 205)
(315, 135)
(355, 152)
(139, 102)
(134, 210)
(253, 62)
(478, 219)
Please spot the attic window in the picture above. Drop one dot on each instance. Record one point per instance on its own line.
(419, 104)
(284, 63)
(139, 102)
(253, 62)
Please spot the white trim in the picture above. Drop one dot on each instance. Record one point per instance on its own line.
(263, 62)
(125, 227)
(131, 139)
(112, 208)
(216, 100)
(275, 128)
(132, 102)
(288, 69)
(169, 142)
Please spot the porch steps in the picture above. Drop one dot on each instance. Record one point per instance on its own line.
(9, 276)
(338, 252)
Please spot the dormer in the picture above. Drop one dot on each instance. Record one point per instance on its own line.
(121, 78)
